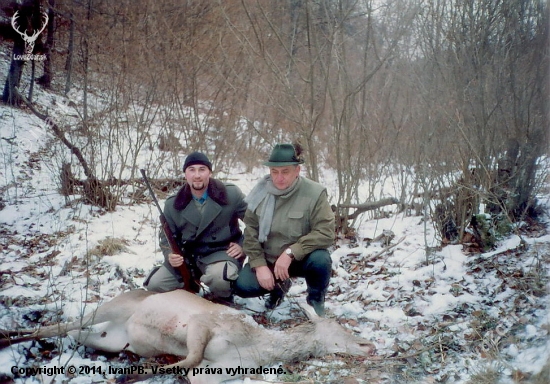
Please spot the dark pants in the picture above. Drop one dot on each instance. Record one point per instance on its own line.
(315, 268)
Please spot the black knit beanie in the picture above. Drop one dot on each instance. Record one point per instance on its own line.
(197, 158)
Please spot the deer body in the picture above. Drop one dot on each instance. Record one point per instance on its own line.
(209, 335)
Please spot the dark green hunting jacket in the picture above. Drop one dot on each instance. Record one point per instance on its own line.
(202, 234)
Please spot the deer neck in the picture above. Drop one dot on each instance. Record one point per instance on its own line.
(292, 345)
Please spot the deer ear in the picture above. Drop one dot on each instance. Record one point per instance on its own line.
(309, 311)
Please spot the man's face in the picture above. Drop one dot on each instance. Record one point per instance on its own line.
(198, 177)
(283, 177)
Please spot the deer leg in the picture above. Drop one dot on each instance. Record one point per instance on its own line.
(198, 336)
(7, 340)
(22, 332)
(41, 333)
(117, 310)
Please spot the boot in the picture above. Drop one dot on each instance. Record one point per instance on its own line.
(317, 301)
(277, 295)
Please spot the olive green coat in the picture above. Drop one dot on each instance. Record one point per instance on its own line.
(303, 220)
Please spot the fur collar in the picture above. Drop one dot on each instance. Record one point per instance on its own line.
(216, 191)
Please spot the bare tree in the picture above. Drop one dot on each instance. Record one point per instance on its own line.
(46, 78)
(28, 18)
(475, 54)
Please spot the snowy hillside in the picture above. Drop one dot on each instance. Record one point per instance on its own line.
(444, 317)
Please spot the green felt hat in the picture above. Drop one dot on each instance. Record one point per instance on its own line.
(283, 155)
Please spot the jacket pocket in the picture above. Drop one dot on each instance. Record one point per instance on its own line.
(295, 223)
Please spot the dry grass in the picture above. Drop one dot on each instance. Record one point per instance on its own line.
(488, 376)
(109, 246)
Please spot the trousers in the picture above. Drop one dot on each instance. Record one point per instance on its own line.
(218, 276)
(315, 268)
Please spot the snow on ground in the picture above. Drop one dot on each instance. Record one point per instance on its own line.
(443, 316)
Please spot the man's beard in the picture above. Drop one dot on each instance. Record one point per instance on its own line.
(198, 185)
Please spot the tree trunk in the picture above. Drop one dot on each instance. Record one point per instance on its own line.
(14, 75)
(86, 68)
(29, 18)
(46, 79)
(31, 84)
(70, 55)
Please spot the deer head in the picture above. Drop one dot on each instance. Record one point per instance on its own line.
(29, 39)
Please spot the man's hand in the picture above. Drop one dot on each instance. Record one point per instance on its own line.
(175, 260)
(281, 267)
(235, 251)
(265, 277)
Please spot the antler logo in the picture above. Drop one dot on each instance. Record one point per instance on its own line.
(29, 39)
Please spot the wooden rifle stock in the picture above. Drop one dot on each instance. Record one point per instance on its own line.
(190, 284)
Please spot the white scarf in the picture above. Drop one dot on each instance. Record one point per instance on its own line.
(265, 190)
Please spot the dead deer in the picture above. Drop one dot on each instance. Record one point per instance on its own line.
(210, 335)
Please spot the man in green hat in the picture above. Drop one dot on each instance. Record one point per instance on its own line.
(289, 226)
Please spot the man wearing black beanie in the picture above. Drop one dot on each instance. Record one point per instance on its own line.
(204, 218)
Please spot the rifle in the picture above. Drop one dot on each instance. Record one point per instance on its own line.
(190, 284)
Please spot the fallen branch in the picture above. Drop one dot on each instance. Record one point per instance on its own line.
(384, 250)
(360, 208)
(342, 218)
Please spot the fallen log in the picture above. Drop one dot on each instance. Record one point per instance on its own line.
(342, 215)
(369, 206)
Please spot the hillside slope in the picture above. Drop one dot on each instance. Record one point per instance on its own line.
(447, 316)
